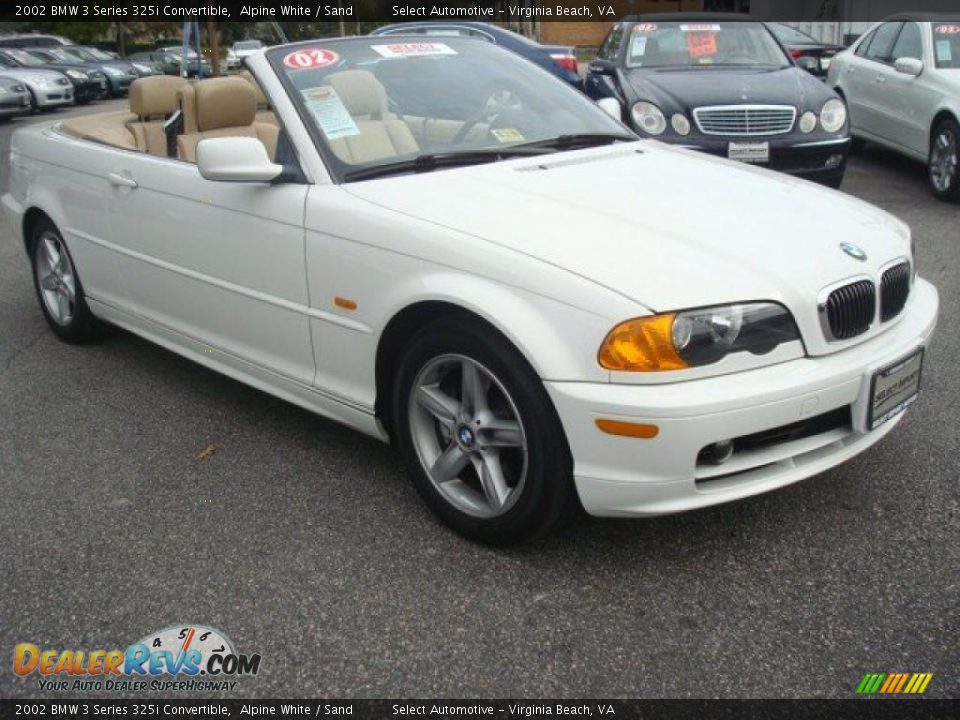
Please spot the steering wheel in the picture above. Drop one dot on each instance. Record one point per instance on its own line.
(497, 102)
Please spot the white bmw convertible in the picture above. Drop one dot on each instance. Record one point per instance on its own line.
(442, 245)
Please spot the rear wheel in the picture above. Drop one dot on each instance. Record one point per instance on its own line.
(945, 159)
(480, 437)
(58, 286)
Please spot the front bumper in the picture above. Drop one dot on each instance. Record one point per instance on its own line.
(87, 90)
(54, 96)
(120, 84)
(621, 476)
(820, 159)
(14, 104)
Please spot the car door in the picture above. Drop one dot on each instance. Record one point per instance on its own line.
(870, 81)
(909, 101)
(219, 264)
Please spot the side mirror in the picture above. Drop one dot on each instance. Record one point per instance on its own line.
(811, 65)
(909, 66)
(236, 159)
(611, 106)
(602, 67)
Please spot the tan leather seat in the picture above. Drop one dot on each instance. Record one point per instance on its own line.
(153, 100)
(108, 128)
(381, 134)
(264, 113)
(221, 107)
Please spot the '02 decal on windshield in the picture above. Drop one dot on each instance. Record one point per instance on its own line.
(306, 58)
(947, 29)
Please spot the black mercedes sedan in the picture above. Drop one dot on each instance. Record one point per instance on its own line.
(118, 74)
(726, 86)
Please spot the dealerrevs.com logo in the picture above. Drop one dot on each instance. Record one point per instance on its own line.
(181, 657)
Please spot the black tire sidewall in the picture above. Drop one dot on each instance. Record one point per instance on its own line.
(953, 192)
(548, 496)
(83, 326)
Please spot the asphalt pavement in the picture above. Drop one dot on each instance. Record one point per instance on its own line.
(139, 490)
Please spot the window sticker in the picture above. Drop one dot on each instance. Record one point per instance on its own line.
(413, 49)
(944, 53)
(701, 44)
(947, 29)
(329, 112)
(638, 47)
(307, 58)
(699, 28)
(645, 27)
(507, 135)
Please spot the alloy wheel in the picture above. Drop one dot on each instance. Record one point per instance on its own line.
(468, 436)
(57, 279)
(943, 160)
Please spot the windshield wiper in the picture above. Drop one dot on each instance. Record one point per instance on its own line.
(579, 140)
(435, 161)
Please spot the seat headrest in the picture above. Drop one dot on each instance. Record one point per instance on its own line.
(262, 102)
(360, 92)
(157, 95)
(223, 103)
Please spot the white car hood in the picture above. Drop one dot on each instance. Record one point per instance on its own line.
(666, 227)
(30, 76)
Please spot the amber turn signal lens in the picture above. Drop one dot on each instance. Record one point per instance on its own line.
(642, 345)
(627, 429)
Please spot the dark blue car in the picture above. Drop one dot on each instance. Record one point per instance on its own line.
(557, 59)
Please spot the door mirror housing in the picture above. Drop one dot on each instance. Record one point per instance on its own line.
(909, 66)
(611, 106)
(236, 159)
(602, 67)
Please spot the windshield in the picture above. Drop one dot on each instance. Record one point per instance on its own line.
(96, 53)
(946, 44)
(788, 35)
(24, 58)
(191, 54)
(718, 44)
(247, 45)
(73, 54)
(376, 101)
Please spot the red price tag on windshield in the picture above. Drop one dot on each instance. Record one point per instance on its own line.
(947, 29)
(310, 58)
(701, 44)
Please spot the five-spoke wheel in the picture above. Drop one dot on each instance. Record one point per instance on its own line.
(945, 159)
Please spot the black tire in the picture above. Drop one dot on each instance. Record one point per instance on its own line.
(82, 326)
(951, 192)
(547, 497)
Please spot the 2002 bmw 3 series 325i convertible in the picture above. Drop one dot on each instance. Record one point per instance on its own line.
(441, 244)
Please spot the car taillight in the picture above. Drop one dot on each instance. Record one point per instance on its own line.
(567, 62)
(796, 53)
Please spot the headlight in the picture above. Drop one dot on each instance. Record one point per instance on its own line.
(3, 90)
(681, 126)
(77, 75)
(143, 68)
(649, 118)
(114, 71)
(674, 341)
(808, 122)
(834, 115)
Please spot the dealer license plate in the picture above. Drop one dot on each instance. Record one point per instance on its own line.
(749, 152)
(894, 388)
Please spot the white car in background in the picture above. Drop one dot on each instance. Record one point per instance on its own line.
(901, 81)
(440, 244)
(241, 50)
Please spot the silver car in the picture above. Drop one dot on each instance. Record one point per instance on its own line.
(48, 89)
(14, 98)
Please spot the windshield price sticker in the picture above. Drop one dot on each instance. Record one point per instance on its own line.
(309, 58)
(944, 51)
(413, 49)
(507, 135)
(701, 44)
(645, 27)
(329, 112)
(947, 29)
(700, 28)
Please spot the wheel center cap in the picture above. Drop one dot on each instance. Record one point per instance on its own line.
(466, 437)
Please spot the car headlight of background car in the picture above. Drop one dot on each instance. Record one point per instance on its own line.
(143, 68)
(649, 118)
(115, 72)
(693, 338)
(77, 75)
(833, 116)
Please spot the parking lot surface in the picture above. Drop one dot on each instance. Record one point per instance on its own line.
(139, 490)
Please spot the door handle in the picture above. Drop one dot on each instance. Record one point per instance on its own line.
(118, 180)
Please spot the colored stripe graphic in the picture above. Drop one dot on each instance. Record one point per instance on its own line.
(894, 683)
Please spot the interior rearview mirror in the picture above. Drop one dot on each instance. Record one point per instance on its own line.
(909, 66)
(611, 106)
(236, 159)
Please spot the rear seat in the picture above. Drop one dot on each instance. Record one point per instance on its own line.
(153, 100)
(107, 128)
(221, 107)
(264, 113)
